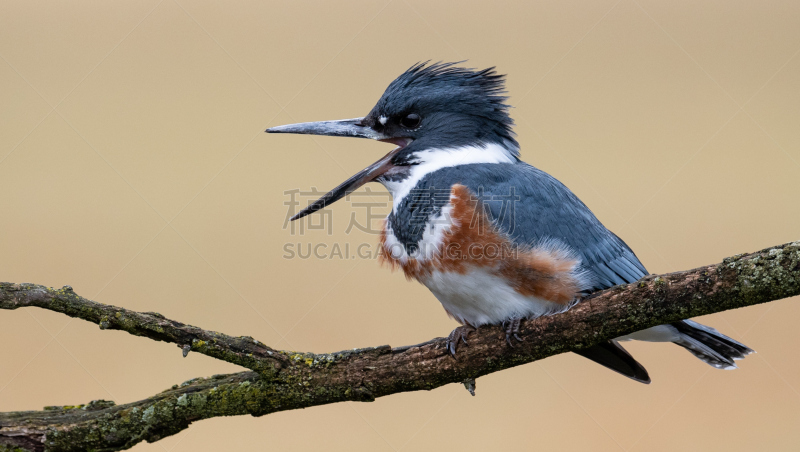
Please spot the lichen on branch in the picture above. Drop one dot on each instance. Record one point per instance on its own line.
(284, 380)
(244, 351)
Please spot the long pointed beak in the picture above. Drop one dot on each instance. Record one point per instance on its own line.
(344, 128)
(341, 128)
(352, 184)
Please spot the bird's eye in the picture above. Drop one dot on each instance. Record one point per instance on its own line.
(410, 121)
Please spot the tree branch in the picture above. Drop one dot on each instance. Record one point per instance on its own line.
(290, 380)
(244, 351)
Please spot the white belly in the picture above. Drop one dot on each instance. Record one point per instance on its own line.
(479, 297)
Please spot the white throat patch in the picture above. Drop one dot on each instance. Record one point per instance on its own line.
(438, 158)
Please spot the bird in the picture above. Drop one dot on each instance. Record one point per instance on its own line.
(496, 240)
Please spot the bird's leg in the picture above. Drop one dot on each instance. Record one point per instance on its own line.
(512, 329)
(457, 334)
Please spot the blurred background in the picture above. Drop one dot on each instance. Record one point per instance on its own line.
(134, 167)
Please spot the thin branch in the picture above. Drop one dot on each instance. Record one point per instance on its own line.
(244, 351)
(291, 380)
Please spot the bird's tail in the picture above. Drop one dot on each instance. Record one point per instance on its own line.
(611, 355)
(709, 345)
(704, 342)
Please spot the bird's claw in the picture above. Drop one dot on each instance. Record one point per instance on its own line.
(460, 333)
(512, 330)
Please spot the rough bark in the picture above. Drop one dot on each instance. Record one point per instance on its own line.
(286, 380)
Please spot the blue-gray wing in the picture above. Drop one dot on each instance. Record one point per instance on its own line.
(533, 207)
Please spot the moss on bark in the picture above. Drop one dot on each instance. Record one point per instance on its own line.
(284, 380)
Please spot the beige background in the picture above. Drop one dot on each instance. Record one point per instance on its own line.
(134, 167)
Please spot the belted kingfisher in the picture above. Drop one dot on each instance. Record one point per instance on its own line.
(496, 240)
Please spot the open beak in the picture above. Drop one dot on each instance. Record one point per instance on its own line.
(344, 128)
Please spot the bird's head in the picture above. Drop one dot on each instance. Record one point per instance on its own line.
(439, 106)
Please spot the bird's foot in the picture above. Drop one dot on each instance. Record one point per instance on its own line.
(512, 330)
(457, 334)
